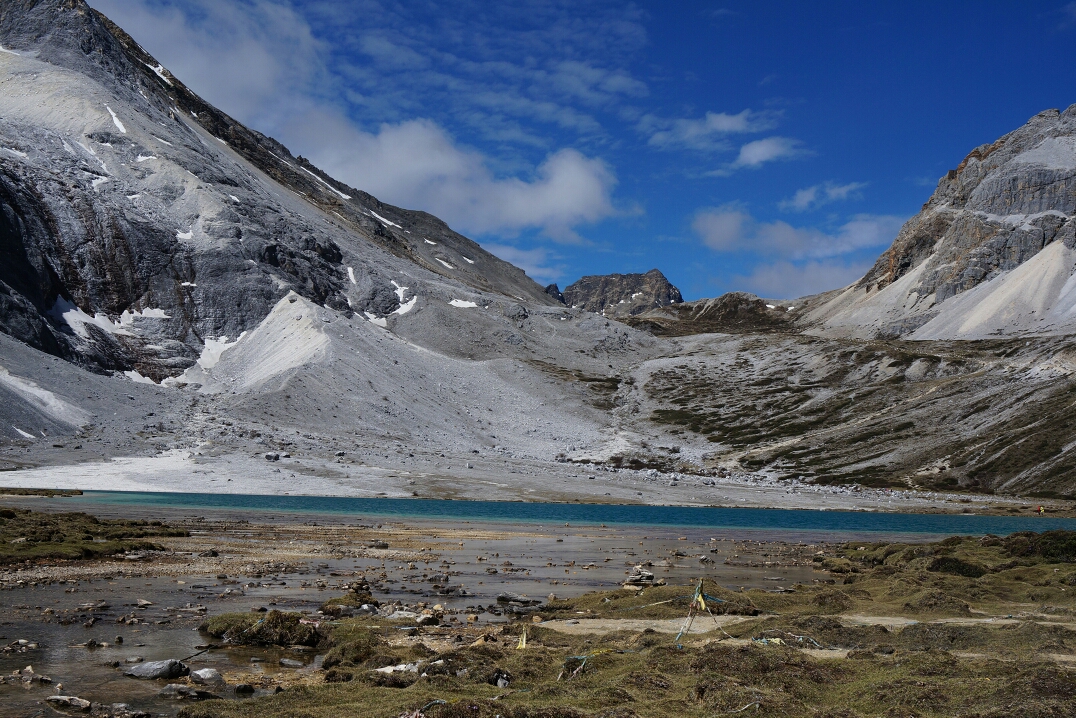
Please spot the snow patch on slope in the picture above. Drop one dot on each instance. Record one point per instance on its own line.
(44, 401)
(1054, 153)
(290, 336)
(116, 120)
(338, 192)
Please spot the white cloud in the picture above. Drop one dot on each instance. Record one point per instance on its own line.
(416, 164)
(707, 133)
(730, 229)
(785, 280)
(817, 195)
(757, 153)
(255, 60)
(258, 61)
(535, 262)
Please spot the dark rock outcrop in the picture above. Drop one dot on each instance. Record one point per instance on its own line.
(622, 295)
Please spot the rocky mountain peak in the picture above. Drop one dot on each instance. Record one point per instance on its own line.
(622, 295)
(989, 254)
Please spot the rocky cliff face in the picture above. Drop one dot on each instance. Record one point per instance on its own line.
(137, 221)
(622, 295)
(990, 254)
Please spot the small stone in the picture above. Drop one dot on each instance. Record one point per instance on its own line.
(291, 663)
(69, 702)
(207, 677)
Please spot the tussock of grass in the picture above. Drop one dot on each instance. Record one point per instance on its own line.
(274, 628)
(34, 535)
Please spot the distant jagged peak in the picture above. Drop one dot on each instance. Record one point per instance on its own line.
(622, 295)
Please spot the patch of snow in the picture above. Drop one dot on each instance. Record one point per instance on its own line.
(21, 432)
(189, 234)
(134, 196)
(144, 158)
(341, 194)
(138, 378)
(429, 242)
(88, 149)
(128, 317)
(15, 152)
(188, 284)
(44, 400)
(220, 140)
(161, 141)
(374, 319)
(791, 309)
(10, 52)
(351, 275)
(234, 198)
(407, 306)
(462, 304)
(289, 164)
(469, 261)
(116, 120)
(1055, 153)
(770, 306)
(385, 221)
(194, 114)
(214, 347)
(444, 262)
(159, 71)
(99, 181)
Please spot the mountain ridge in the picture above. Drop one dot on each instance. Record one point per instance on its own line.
(215, 300)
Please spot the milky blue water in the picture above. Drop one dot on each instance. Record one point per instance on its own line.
(773, 521)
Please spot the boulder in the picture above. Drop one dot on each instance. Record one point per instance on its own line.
(170, 668)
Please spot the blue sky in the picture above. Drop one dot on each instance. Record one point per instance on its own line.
(770, 147)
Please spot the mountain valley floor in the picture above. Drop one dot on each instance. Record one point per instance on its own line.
(428, 619)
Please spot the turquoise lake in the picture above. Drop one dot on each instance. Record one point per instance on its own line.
(773, 521)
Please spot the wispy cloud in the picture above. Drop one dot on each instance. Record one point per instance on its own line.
(730, 229)
(754, 155)
(259, 61)
(709, 132)
(417, 164)
(817, 195)
(785, 280)
(539, 263)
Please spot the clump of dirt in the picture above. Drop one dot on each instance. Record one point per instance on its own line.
(275, 628)
(832, 600)
(1051, 545)
(957, 567)
(935, 601)
(34, 535)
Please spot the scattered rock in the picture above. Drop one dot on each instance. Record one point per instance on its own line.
(207, 677)
(69, 702)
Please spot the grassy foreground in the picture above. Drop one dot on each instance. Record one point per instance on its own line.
(32, 535)
(966, 627)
